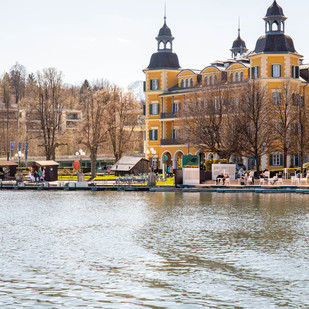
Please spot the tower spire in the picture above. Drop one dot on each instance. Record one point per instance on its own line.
(239, 27)
(165, 13)
(239, 45)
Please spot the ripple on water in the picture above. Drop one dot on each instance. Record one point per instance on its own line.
(153, 250)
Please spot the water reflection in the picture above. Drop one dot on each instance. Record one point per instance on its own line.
(153, 250)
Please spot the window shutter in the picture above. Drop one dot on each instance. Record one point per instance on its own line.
(151, 84)
(150, 109)
(271, 160)
(297, 72)
(280, 70)
(155, 135)
(272, 71)
(257, 72)
(144, 109)
(293, 71)
(150, 135)
(144, 86)
(296, 161)
(281, 159)
(173, 108)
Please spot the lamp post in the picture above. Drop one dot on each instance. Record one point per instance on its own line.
(152, 177)
(80, 153)
(153, 152)
(19, 155)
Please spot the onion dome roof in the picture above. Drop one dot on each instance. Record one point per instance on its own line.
(274, 10)
(163, 60)
(275, 43)
(165, 31)
(239, 43)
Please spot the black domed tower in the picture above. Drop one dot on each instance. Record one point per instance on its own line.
(164, 58)
(275, 40)
(239, 46)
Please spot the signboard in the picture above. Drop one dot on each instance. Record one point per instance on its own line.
(76, 165)
(224, 169)
(191, 170)
(190, 161)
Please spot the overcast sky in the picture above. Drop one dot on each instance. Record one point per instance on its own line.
(115, 39)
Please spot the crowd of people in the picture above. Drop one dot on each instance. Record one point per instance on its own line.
(37, 175)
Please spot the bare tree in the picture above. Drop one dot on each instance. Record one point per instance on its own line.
(121, 121)
(17, 77)
(6, 113)
(211, 121)
(93, 131)
(47, 102)
(283, 115)
(300, 129)
(254, 119)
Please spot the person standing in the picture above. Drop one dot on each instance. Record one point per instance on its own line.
(40, 174)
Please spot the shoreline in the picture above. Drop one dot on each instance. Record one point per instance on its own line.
(201, 188)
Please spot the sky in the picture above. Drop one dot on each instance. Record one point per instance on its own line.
(114, 40)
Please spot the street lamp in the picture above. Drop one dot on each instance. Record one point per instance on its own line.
(153, 152)
(152, 176)
(80, 153)
(19, 155)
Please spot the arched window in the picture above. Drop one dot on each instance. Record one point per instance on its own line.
(242, 76)
(191, 82)
(182, 84)
(232, 78)
(168, 45)
(216, 79)
(206, 80)
(237, 77)
(161, 45)
(275, 26)
(187, 83)
(267, 27)
(210, 80)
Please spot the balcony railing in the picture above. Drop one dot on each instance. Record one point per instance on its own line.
(169, 115)
(170, 142)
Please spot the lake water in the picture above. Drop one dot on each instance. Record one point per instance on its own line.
(153, 250)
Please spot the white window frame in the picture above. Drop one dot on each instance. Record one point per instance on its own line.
(255, 72)
(152, 134)
(154, 84)
(295, 69)
(155, 109)
(276, 159)
(276, 70)
(276, 98)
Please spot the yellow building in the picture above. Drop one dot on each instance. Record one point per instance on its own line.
(274, 61)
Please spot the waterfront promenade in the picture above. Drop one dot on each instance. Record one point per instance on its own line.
(208, 186)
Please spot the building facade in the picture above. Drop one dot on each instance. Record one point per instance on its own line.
(274, 62)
